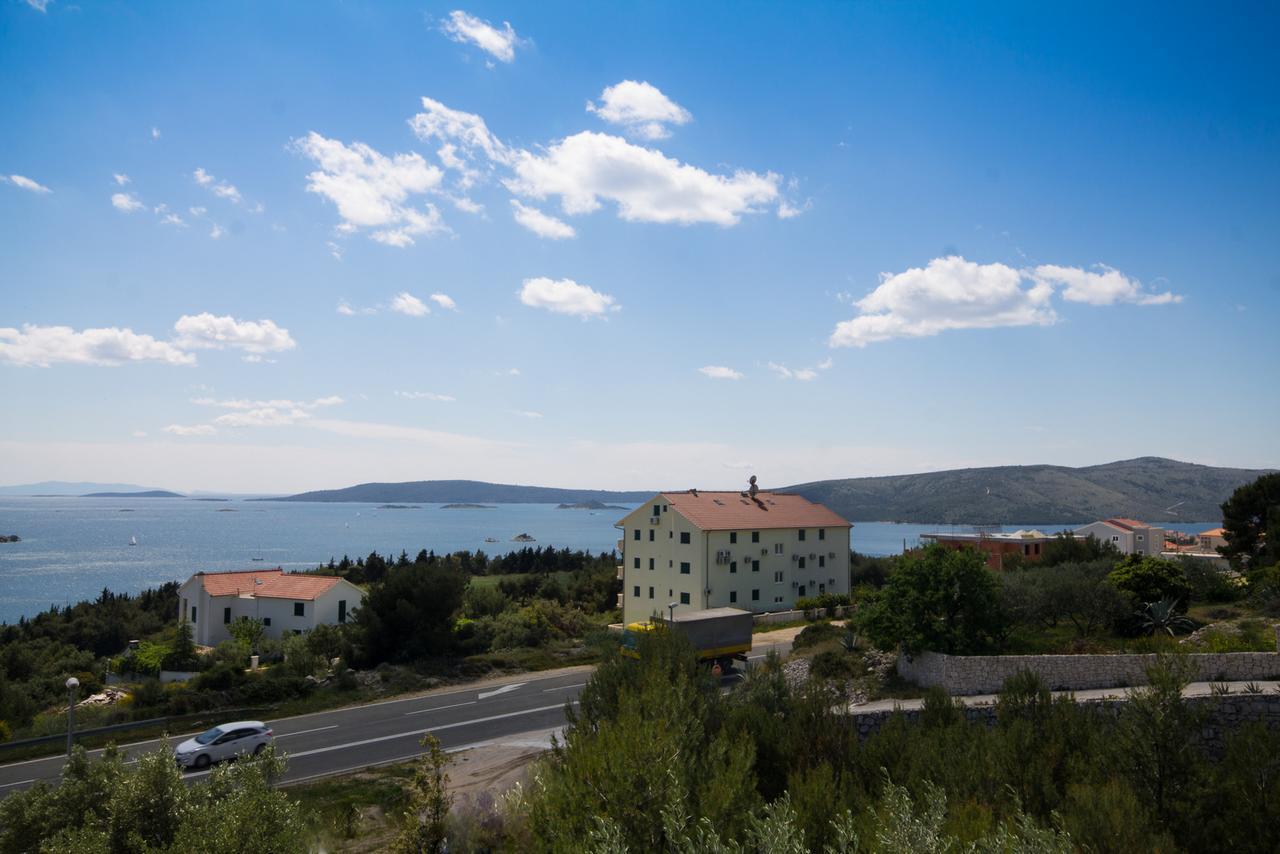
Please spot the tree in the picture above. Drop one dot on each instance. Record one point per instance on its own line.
(425, 830)
(1251, 523)
(940, 599)
(1067, 548)
(248, 632)
(410, 614)
(1150, 579)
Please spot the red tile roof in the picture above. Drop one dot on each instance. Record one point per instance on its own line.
(1213, 532)
(734, 511)
(267, 583)
(1126, 524)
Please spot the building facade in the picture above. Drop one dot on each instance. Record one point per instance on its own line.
(286, 603)
(702, 550)
(1024, 546)
(1130, 536)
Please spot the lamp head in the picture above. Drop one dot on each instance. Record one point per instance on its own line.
(73, 683)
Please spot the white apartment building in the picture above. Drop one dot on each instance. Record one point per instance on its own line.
(286, 603)
(1130, 536)
(729, 549)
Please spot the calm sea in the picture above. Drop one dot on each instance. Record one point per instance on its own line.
(72, 548)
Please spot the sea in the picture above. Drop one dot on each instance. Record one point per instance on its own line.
(74, 548)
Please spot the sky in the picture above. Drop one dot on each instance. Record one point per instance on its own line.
(273, 246)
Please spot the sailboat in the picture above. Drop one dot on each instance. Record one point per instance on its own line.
(133, 541)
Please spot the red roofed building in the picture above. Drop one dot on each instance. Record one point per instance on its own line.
(1130, 536)
(286, 603)
(702, 550)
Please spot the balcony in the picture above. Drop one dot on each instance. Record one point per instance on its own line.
(619, 548)
(621, 572)
(619, 600)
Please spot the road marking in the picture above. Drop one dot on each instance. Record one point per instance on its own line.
(305, 731)
(19, 783)
(423, 731)
(564, 687)
(438, 708)
(503, 690)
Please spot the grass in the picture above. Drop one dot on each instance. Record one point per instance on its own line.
(357, 812)
(760, 628)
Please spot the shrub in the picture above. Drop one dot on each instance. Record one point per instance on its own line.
(816, 633)
(1150, 579)
(1208, 582)
(833, 664)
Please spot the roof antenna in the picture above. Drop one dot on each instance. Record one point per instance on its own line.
(752, 489)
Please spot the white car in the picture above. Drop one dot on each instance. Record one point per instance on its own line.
(225, 741)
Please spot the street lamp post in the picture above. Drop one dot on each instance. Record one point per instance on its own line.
(72, 684)
(671, 608)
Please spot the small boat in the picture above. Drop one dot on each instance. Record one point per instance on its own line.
(133, 541)
(257, 559)
(490, 539)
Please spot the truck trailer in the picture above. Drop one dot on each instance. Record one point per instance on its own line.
(719, 635)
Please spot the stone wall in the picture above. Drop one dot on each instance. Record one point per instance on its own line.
(985, 674)
(1222, 715)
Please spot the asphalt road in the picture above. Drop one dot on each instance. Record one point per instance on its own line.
(334, 742)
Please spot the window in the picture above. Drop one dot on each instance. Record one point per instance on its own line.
(637, 536)
(342, 610)
(777, 599)
(193, 613)
(733, 566)
(651, 535)
(684, 567)
(777, 576)
(637, 593)
(822, 561)
(755, 536)
(664, 508)
(822, 533)
(636, 563)
(650, 563)
(650, 592)
(657, 509)
(670, 534)
(755, 595)
(733, 596)
(822, 588)
(684, 538)
(733, 537)
(800, 563)
(684, 598)
(297, 631)
(777, 548)
(299, 609)
(755, 566)
(266, 621)
(802, 535)
(226, 615)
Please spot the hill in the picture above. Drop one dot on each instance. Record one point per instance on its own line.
(62, 487)
(146, 493)
(463, 492)
(1152, 489)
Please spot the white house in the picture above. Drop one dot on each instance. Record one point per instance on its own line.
(286, 603)
(729, 549)
(1130, 536)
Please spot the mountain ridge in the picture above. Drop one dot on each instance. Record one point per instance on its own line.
(462, 491)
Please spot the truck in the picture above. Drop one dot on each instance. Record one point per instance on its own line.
(719, 635)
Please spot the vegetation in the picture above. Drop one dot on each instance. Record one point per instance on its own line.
(1251, 523)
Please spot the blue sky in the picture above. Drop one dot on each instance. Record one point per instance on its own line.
(278, 246)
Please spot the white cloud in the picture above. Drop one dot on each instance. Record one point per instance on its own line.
(950, 293)
(464, 137)
(444, 301)
(25, 183)
(541, 224)
(197, 210)
(565, 296)
(173, 219)
(407, 303)
(513, 372)
(120, 178)
(646, 185)
(801, 374)
(126, 202)
(825, 364)
(42, 346)
(526, 413)
(786, 210)
(426, 395)
(345, 309)
(205, 331)
(640, 108)
(139, 434)
(221, 189)
(720, 372)
(264, 413)
(370, 190)
(467, 29)
(191, 430)
(334, 249)
(155, 132)
(39, 5)
(1107, 287)
(277, 403)
(217, 231)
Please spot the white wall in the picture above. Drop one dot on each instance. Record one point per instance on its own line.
(210, 627)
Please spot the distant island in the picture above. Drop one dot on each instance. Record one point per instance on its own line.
(10, 538)
(463, 492)
(399, 507)
(523, 538)
(150, 493)
(468, 507)
(589, 505)
(1153, 489)
(209, 499)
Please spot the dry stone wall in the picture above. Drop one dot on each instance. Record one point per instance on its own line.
(986, 674)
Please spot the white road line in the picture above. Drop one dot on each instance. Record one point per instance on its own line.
(505, 689)
(423, 731)
(19, 783)
(438, 708)
(305, 731)
(564, 687)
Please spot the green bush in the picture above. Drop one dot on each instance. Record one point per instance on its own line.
(1150, 579)
(1209, 583)
(816, 633)
(834, 664)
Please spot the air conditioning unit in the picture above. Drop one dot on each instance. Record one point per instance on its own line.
(764, 552)
(653, 520)
(831, 555)
(831, 581)
(795, 558)
(812, 556)
(795, 584)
